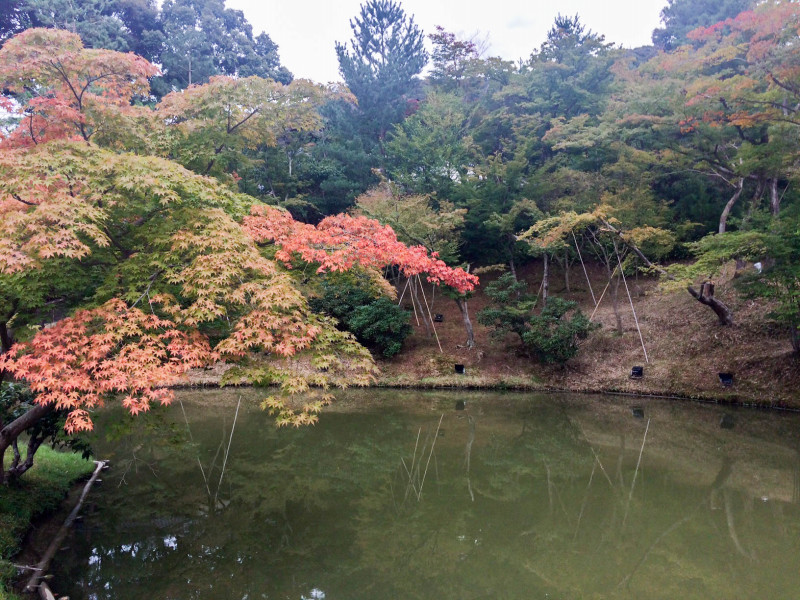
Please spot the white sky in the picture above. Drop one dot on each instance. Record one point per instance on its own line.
(305, 30)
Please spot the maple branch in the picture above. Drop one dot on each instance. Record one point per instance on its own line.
(145, 218)
(634, 248)
(125, 252)
(152, 279)
(243, 121)
(785, 86)
(30, 129)
(65, 78)
(19, 199)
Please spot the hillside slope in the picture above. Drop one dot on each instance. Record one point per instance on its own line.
(686, 347)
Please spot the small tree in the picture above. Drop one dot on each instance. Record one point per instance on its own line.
(553, 336)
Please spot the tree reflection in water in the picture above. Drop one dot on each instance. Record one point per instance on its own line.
(517, 497)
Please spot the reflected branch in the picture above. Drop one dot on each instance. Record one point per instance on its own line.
(635, 473)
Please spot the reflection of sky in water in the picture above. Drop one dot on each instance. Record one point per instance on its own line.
(315, 594)
(171, 542)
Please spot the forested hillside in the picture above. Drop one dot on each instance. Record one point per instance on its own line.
(172, 198)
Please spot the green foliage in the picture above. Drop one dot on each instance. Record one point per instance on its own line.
(122, 25)
(376, 322)
(428, 152)
(510, 308)
(382, 325)
(572, 70)
(40, 492)
(12, 18)
(381, 63)
(552, 336)
(777, 249)
(191, 39)
(203, 38)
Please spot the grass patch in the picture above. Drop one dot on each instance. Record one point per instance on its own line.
(40, 490)
(482, 382)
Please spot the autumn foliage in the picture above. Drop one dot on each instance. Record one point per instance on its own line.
(74, 88)
(342, 241)
(111, 349)
(173, 267)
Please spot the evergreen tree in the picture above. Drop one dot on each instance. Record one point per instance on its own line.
(682, 16)
(12, 19)
(381, 63)
(203, 38)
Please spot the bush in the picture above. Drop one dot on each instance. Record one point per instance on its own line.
(382, 325)
(378, 323)
(553, 336)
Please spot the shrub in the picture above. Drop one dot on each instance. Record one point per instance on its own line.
(553, 335)
(382, 325)
(378, 323)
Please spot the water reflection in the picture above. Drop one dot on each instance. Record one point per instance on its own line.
(512, 497)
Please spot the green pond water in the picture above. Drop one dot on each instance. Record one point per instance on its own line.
(397, 495)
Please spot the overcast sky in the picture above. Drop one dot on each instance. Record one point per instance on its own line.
(305, 30)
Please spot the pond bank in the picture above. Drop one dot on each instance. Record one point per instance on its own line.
(40, 492)
(682, 350)
(725, 396)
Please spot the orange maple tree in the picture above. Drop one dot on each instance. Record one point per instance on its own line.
(156, 269)
(74, 89)
(110, 349)
(339, 242)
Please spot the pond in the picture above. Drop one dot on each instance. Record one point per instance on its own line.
(442, 495)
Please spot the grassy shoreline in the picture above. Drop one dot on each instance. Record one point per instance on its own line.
(39, 492)
(725, 396)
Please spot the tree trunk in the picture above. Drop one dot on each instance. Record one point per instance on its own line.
(774, 199)
(723, 219)
(706, 296)
(5, 337)
(795, 333)
(462, 306)
(5, 346)
(756, 198)
(12, 431)
(545, 280)
(615, 304)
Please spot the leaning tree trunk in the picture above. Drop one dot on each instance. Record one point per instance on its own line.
(545, 280)
(10, 432)
(462, 306)
(706, 296)
(723, 219)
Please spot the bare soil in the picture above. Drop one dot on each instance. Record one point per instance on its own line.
(686, 347)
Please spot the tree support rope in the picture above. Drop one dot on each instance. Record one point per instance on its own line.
(433, 325)
(633, 310)
(591, 291)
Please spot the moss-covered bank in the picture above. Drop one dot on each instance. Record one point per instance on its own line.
(40, 490)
